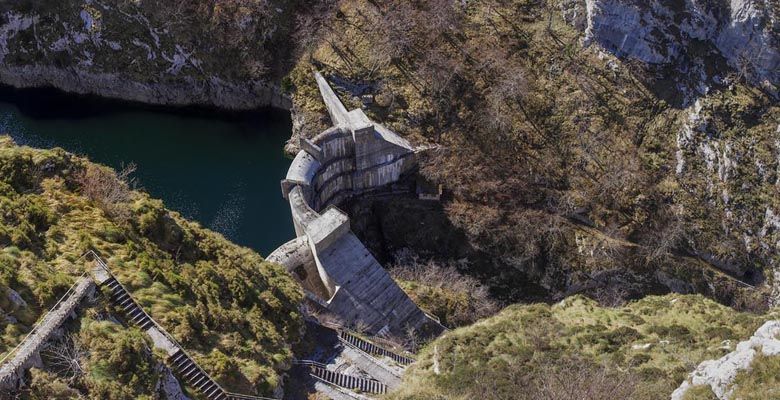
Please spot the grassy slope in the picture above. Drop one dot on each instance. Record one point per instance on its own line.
(651, 343)
(237, 314)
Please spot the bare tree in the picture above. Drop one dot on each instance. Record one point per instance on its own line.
(65, 356)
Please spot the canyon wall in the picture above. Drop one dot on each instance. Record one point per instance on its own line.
(701, 41)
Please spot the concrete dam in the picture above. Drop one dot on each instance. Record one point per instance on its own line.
(354, 157)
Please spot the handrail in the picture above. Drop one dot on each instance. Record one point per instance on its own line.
(102, 264)
(379, 350)
(337, 379)
(37, 324)
(384, 346)
(309, 363)
(372, 357)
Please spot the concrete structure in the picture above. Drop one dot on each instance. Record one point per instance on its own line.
(354, 157)
(27, 354)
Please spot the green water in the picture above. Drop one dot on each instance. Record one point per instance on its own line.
(221, 170)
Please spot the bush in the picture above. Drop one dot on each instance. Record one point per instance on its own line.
(109, 190)
(456, 299)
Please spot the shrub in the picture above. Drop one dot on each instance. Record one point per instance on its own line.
(454, 298)
(109, 190)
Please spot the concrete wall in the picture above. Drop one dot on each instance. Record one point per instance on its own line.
(353, 157)
(298, 259)
(27, 355)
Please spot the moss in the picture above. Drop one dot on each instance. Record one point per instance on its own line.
(700, 392)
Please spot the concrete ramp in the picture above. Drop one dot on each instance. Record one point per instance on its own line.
(338, 113)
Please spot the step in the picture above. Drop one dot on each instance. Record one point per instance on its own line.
(176, 356)
(206, 386)
(134, 313)
(348, 381)
(120, 297)
(198, 379)
(111, 283)
(137, 316)
(212, 393)
(180, 362)
(191, 371)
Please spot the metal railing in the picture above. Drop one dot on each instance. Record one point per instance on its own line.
(385, 345)
(320, 371)
(102, 264)
(38, 323)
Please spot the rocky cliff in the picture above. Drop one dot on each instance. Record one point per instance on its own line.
(150, 52)
(702, 42)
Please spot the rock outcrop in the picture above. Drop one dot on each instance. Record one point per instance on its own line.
(702, 41)
(124, 51)
(719, 374)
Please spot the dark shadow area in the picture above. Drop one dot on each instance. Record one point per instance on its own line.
(52, 103)
(389, 224)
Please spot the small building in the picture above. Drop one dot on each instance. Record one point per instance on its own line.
(427, 190)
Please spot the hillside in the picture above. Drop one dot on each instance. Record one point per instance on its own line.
(235, 313)
(565, 167)
(577, 349)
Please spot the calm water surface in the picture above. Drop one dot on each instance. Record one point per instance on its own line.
(221, 170)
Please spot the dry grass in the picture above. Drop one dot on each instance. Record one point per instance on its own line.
(454, 298)
(110, 191)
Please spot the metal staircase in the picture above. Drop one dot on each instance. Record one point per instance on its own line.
(178, 359)
(196, 377)
(122, 300)
(371, 348)
(349, 382)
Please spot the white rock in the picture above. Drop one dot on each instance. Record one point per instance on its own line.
(719, 374)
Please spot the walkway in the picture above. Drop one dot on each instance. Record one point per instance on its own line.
(25, 354)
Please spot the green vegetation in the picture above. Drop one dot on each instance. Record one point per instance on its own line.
(642, 350)
(236, 314)
(762, 381)
(702, 392)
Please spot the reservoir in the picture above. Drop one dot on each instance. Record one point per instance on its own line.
(222, 170)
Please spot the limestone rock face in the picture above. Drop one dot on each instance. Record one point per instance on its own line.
(720, 373)
(119, 50)
(701, 39)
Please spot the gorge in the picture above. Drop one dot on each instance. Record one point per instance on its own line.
(177, 152)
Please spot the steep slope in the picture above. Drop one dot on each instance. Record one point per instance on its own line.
(235, 313)
(565, 168)
(688, 46)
